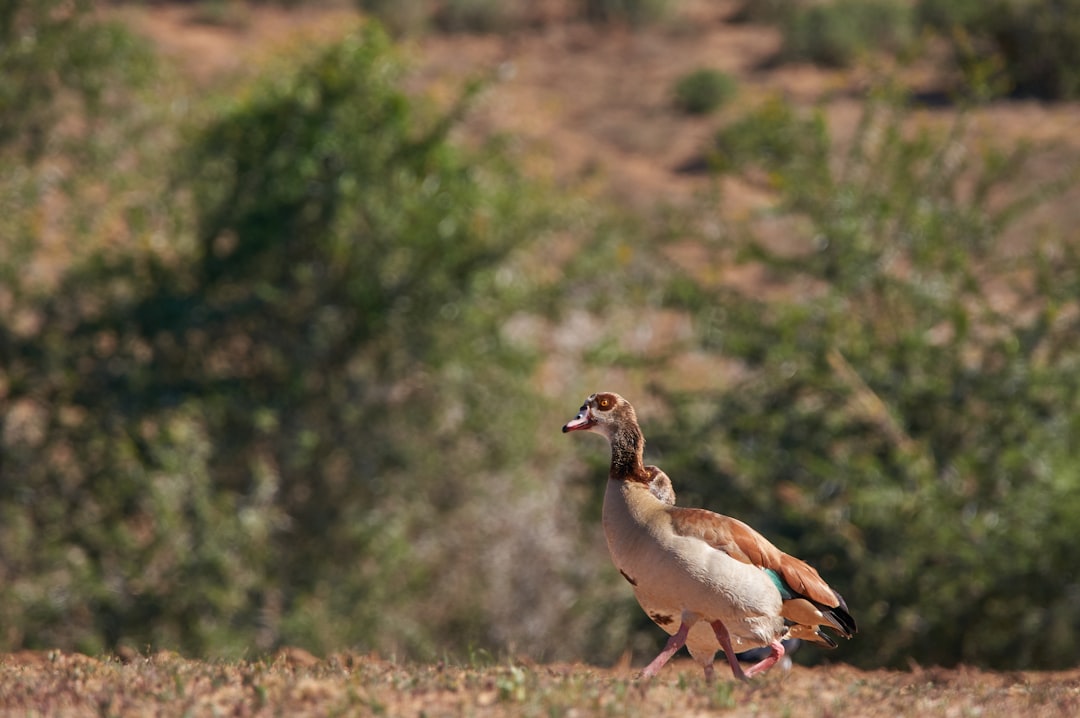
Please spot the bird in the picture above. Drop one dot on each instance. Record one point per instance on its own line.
(701, 642)
(710, 581)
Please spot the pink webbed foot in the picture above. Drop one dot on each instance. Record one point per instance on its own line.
(674, 643)
(776, 652)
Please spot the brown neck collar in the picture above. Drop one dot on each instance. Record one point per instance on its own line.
(627, 450)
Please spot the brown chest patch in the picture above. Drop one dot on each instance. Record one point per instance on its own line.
(660, 619)
(630, 580)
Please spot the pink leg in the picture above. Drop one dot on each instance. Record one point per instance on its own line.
(775, 654)
(673, 645)
(710, 672)
(725, 642)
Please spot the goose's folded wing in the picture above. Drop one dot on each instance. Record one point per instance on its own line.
(745, 544)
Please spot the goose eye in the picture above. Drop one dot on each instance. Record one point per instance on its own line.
(605, 403)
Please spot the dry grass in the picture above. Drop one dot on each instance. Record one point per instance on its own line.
(296, 683)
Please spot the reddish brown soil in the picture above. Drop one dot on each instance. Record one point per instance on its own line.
(297, 684)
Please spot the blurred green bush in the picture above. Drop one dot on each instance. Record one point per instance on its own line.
(635, 13)
(840, 32)
(1028, 47)
(1019, 47)
(907, 421)
(413, 17)
(266, 415)
(701, 91)
(763, 11)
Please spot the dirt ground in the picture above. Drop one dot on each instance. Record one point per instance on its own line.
(297, 684)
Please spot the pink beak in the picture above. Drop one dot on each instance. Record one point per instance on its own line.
(580, 422)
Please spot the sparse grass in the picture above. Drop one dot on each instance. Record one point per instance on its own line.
(38, 684)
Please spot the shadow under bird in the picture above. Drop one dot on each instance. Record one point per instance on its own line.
(710, 581)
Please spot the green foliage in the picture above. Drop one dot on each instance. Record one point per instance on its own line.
(241, 436)
(1024, 47)
(57, 65)
(1032, 43)
(223, 13)
(764, 11)
(411, 17)
(703, 90)
(53, 59)
(84, 554)
(907, 423)
(400, 17)
(355, 251)
(636, 13)
(840, 32)
(947, 15)
(773, 135)
(477, 16)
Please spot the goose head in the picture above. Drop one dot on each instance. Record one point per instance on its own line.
(604, 413)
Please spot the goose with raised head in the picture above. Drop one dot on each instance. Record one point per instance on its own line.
(710, 581)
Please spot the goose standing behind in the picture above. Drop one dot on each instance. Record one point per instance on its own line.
(701, 641)
(710, 581)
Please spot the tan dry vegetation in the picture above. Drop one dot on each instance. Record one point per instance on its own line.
(296, 684)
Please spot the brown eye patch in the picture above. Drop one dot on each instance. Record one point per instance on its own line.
(605, 402)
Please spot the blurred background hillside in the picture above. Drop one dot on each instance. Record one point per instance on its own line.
(295, 298)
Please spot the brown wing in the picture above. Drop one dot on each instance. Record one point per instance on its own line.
(745, 544)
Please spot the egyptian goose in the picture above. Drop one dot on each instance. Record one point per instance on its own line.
(701, 641)
(710, 581)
